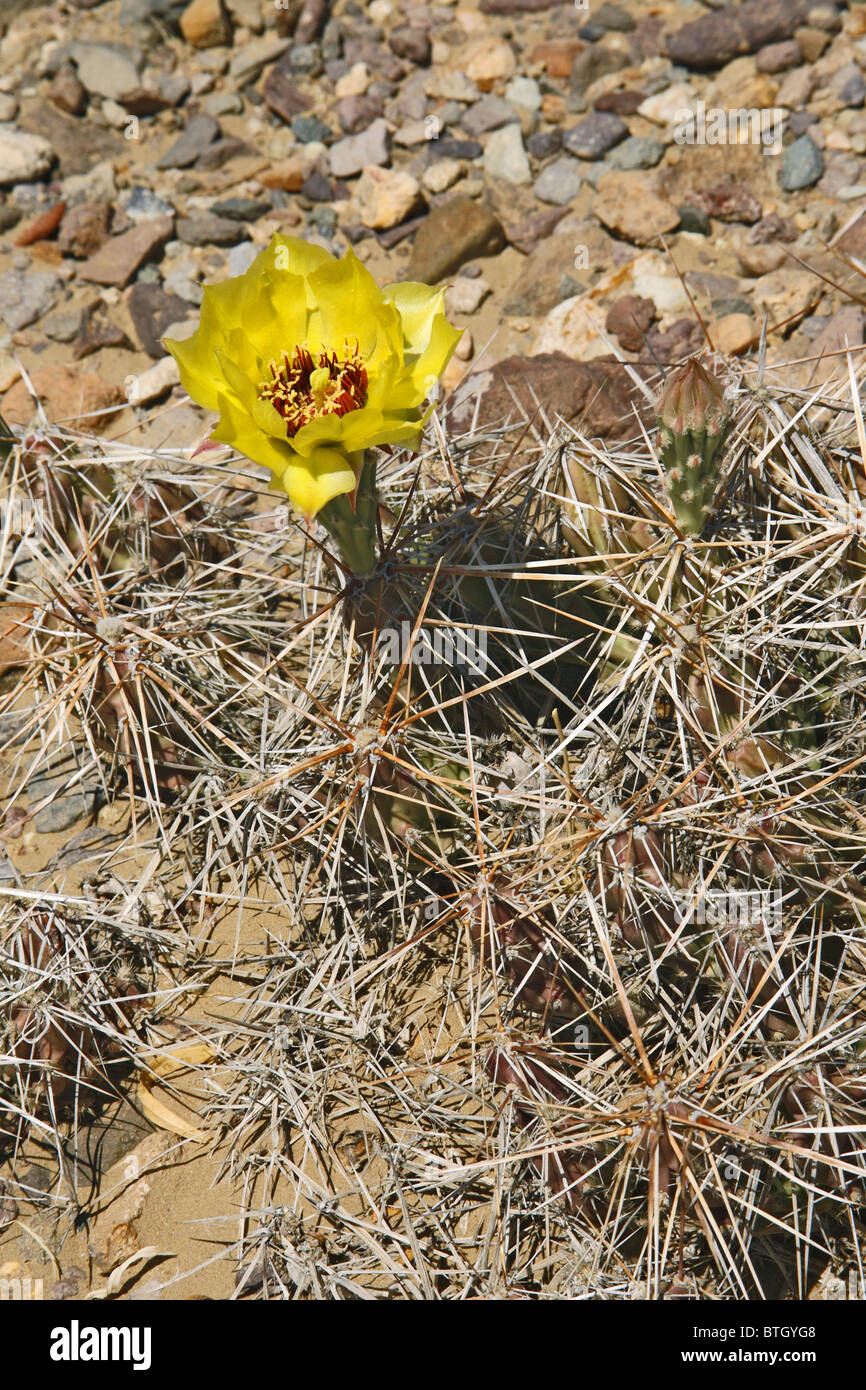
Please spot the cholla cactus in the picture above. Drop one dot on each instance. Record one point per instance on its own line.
(693, 423)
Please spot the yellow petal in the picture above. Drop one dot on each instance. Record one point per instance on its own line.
(417, 306)
(312, 481)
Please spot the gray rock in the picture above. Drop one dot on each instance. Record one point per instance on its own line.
(208, 229)
(62, 325)
(67, 807)
(357, 113)
(637, 152)
(197, 136)
(241, 257)
(802, 165)
(152, 310)
(179, 283)
(139, 204)
(223, 104)
(351, 155)
(597, 133)
(25, 295)
(489, 113)
(505, 157)
(23, 157)
(559, 182)
(309, 129)
(110, 70)
(247, 62)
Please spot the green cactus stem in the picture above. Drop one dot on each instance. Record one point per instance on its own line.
(693, 424)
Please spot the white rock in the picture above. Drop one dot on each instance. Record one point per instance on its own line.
(465, 295)
(353, 83)
(465, 347)
(441, 175)
(505, 157)
(8, 108)
(668, 107)
(524, 93)
(153, 383)
(23, 157)
(665, 291)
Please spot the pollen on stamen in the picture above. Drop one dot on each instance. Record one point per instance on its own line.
(291, 392)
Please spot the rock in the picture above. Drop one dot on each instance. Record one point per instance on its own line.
(442, 174)
(525, 94)
(517, 6)
(411, 44)
(637, 152)
(761, 260)
(198, 135)
(628, 318)
(117, 260)
(208, 229)
(222, 152)
(451, 86)
(97, 330)
(716, 38)
(241, 258)
(25, 295)
(776, 57)
(247, 62)
(153, 383)
(786, 294)
(152, 310)
(557, 56)
(61, 326)
(735, 332)
(802, 165)
(65, 394)
(728, 202)
(694, 219)
(357, 113)
(811, 42)
(490, 113)
(849, 86)
(544, 143)
(851, 240)
(319, 190)
(356, 152)
(111, 70)
(465, 296)
(140, 204)
(597, 133)
(23, 157)
(241, 209)
(487, 60)
(628, 205)
(666, 107)
(287, 175)
(223, 104)
(386, 197)
(282, 95)
(112, 1237)
(80, 802)
(526, 234)
(67, 92)
(596, 396)
(624, 102)
(844, 330)
(505, 156)
(310, 129)
(597, 60)
(452, 234)
(353, 83)
(549, 275)
(796, 89)
(559, 182)
(205, 24)
(42, 227)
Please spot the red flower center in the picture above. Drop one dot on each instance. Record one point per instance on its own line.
(304, 385)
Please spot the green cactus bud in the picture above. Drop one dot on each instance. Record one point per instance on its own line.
(693, 424)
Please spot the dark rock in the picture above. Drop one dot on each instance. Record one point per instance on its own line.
(621, 103)
(544, 143)
(67, 92)
(241, 209)
(96, 330)
(728, 202)
(209, 229)
(317, 188)
(714, 39)
(772, 228)
(152, 310)
(10, 216)
(375, 56)
(597, 133)
(305, 59)
(518, 6)
(221, 152)
(282, 95)
(411, 44)
(596, 396)
(453, 233)
(682, 339)
(455, 149)
(307, 129)
(628, 318)
(198, 134)
(84, 229)
(527, 234)
(489, 113)
(595, 61)
(357, 112)
(802, 165)
(849, 86)
(694, 219)
(800, 121)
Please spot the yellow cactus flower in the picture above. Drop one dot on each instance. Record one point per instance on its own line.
(309, 363)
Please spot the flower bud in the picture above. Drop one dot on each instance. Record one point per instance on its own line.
(693, 424)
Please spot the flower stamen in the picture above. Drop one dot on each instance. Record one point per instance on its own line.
(304, 385)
